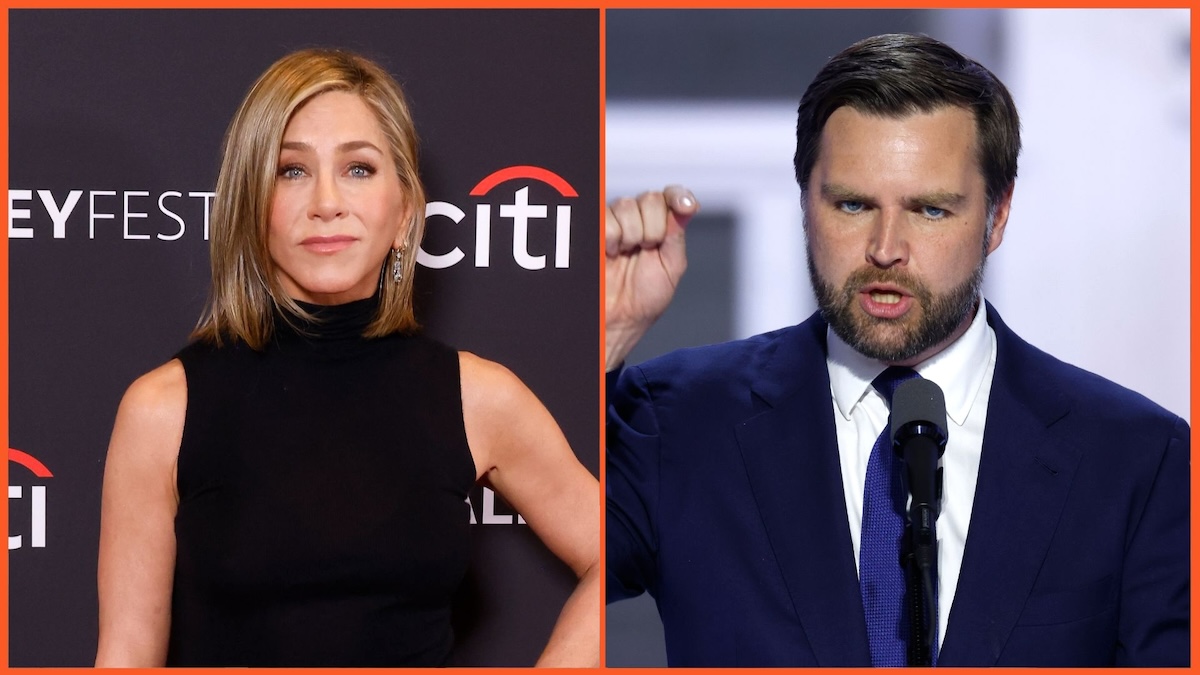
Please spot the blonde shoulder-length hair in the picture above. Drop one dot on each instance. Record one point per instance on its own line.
(245, 288)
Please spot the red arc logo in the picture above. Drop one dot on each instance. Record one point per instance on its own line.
(524, 171)
(29, 462)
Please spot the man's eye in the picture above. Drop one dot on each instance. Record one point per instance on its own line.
(933, 212)
(851, 207)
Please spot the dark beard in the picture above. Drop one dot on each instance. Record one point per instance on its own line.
(894, 340)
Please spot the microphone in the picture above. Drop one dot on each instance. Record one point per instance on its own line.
(919, 438)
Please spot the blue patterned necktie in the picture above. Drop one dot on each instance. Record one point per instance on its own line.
(880, 575)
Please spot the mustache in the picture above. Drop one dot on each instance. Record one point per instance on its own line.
(864, 276)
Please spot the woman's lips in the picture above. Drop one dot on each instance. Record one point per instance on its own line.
(328, 244)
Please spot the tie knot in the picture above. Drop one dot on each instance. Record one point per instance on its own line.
(891, 378)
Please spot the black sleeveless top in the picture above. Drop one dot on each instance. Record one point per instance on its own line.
(322, 499)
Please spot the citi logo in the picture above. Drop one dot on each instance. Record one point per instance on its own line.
(519, 210)
(36, 501)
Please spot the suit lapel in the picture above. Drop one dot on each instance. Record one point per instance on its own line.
(1025, 474)
(791, 457)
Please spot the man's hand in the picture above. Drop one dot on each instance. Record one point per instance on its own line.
(645, 258)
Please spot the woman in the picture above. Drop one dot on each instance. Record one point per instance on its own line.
(290, 489)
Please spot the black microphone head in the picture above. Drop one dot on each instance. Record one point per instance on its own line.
(919, 407)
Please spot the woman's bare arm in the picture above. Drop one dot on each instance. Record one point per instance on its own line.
(520, 451)
(137, 521)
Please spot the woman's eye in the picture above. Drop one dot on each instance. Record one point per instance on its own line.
(361, 171)
(851, 207)
(291, 172)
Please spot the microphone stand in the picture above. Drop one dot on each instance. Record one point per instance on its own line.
(920, 579)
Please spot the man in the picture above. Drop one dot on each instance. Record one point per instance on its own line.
(740, 475)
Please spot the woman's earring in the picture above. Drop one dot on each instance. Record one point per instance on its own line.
(398, 264)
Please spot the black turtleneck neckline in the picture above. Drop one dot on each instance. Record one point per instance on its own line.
(331, 324)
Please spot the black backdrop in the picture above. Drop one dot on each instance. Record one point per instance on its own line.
(126, 109)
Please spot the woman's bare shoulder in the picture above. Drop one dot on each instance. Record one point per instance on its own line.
(487, 382)
(150, 418)
(498, 409)
(162, 391)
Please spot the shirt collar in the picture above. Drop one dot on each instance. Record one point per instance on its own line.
(958, 369)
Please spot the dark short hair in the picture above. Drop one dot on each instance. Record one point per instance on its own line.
(901, 74)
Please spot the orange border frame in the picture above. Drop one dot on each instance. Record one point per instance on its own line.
(4, 318)
(579, 4)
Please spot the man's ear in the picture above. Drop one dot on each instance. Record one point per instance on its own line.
(1000, 219)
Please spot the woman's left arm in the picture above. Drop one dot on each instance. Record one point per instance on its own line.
(522, 454)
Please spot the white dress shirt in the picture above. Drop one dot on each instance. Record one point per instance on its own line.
(964, 372)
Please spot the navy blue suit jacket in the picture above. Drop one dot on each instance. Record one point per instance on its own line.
(725, 503)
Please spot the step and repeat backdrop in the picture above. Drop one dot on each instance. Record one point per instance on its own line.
(116, 122)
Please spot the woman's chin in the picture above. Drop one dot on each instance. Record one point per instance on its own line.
(330, 292)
